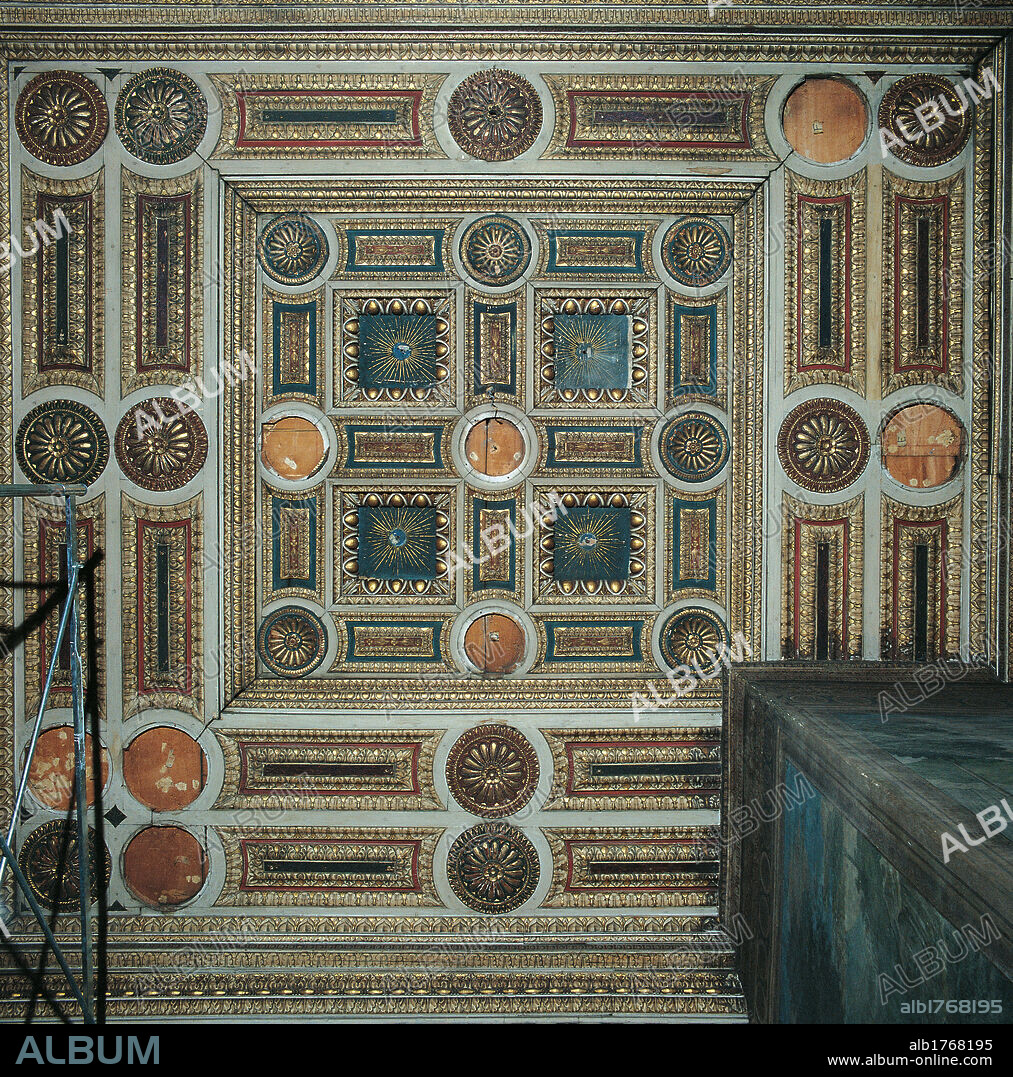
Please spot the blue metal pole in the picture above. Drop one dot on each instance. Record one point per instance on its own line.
(23, 784)
(80, 785)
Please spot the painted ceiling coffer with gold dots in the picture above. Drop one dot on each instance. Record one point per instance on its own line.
(521, 414)
(452, 410)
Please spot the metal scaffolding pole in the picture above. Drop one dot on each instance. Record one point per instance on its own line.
(69, 629)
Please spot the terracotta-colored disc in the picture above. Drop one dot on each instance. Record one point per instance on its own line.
(494, 447)
(494, 643)
(51, 776)
(922, 445)
(164, 768)
(825, 120)
(293, 447)
(164, 865)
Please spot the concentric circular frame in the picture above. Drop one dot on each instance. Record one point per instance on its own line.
(693, 425)
(318, 634)
(810, 411)
(960, 459)
(172, 424)
(470, 249)
(90, 97)
(475, 130)
(53, 835)
(713, 257)
(708, 622)
(484, 844)
(183, 143)
(302, 229)
(936, 143)
(496, 748)
(64, 418)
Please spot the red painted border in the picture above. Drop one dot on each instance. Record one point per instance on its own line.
(845, 627)
(572, 789)
(845, 367)
(155, 199)
(943, 366)
(942, 526)
(681, 888)
(57, 529)
(57, 201)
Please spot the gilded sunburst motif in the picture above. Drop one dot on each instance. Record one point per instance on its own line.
(927, 119)
(292, 248)
(495, 250)
(492, 771)
(160, 447)
(696, 251)
(397, 542)
(823, 445)
(292, 641)
(62, 441)
(396, 348)
(393, 543)
(493, 867)
(692, 637)
(61, 117)
(398, 351)
(161, 116)
(592, 351)
(592, 544)
(693, 447)
(495, 115)
(594, 348)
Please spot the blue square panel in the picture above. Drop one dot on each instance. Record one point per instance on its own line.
(592, 351)
(397, 351)
(592, 544)
(397, 542)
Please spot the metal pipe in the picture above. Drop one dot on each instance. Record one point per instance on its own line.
(89, 1016)
(80, 785)
(22, 785)
(68, 619)
(46, 489)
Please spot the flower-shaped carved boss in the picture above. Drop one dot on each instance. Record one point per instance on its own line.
(292, 248)
(61, 117)
(495, 250)
(492, 770)
(159, 447)
(696, 251)
(823, 445)
(495, 115)
(161, 116)
(292, 641)
(693, 447)
(493, 867)
(925, 119)
(62, 441)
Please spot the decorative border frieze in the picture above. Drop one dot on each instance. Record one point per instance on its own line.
(62, 286)
(162, 237)
(825, 283)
